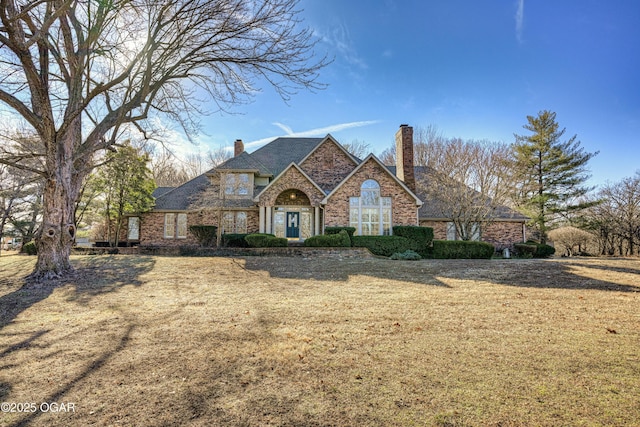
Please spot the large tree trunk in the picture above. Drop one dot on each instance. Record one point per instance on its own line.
(55, 237)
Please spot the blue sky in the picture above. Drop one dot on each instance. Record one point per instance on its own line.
(473, 69)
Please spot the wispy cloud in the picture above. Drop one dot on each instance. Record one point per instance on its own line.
(520, 21)
(340, 39)
(310, 133)
(285, 128)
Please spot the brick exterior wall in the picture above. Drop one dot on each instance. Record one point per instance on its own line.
(328, 165)
(292, 178)
(404, 209)
(501, 234)
(152, 226)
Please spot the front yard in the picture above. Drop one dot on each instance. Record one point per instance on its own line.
(149, 341)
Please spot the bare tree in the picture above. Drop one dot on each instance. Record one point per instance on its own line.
(616, 218)
(218, 156)
(195, 164)
(573, 240)
(80, 73)
(167, 170)
(357, 148)
(467, 180)
(388, 156)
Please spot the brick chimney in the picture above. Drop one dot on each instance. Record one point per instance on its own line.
(238, 148)
(404, 156)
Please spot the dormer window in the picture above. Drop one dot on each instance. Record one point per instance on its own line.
(237, 184)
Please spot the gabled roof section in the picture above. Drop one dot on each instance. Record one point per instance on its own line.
(245, 162)
(332, 139)
(275, 180)
(179, 198)
(277, 155)
(435, 209)
(161, 191)
(385, 168)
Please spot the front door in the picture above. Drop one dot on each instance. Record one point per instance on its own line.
(293, 225)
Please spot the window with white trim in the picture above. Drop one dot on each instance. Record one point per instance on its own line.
(169, 225)
(236, 184)
(452, 232)
(370, 213)
(182, 226)
(133, 229)
(234, 222)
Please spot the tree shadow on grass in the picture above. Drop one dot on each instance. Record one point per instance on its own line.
(59, 394)
(93, 276)
(342, 269)
(554, 274)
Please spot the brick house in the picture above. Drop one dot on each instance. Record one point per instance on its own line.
(294, 187)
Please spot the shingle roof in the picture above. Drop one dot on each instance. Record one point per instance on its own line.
(281, 152)
(244, 161)
(160, 191)
(181, 197)
(435, 209)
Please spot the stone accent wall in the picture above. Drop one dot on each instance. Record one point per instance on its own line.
(403, 205)
(501, 234)
(152, 226)
(292, 178)
(328, 165)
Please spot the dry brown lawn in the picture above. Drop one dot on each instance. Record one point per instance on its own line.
(259, 341)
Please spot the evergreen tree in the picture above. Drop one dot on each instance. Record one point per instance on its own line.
(126, 186)
(550, 173)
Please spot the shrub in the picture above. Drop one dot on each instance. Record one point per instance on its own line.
(276, 242)
(384, 245)
(423, 236)
(463, 249)
(30, 248)
(406, 256)
(204, 234)
(262, 240)
(234, 240)
(532, 249)
(525, 250)
(542, 250)
(339, 240)
(336, 230)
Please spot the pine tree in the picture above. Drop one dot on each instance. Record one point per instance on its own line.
(550, 173)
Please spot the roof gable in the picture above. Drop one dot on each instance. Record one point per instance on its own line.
(331, 139)
(277, 155)
(373, 158)
(244, 162)
(275, 183)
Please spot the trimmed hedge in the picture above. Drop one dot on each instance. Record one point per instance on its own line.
(462, 249)
(406, 256)
(261, 240)
(234, 240)
(423, 236)
(339, 240)
(336, 230)
(385, 245)
(205, 234)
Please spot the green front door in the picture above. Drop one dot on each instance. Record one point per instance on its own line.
(293, 225)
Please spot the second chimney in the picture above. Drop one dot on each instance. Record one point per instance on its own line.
(238, 148)
(404, 157)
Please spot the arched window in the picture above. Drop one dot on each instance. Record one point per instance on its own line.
(370, 213)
